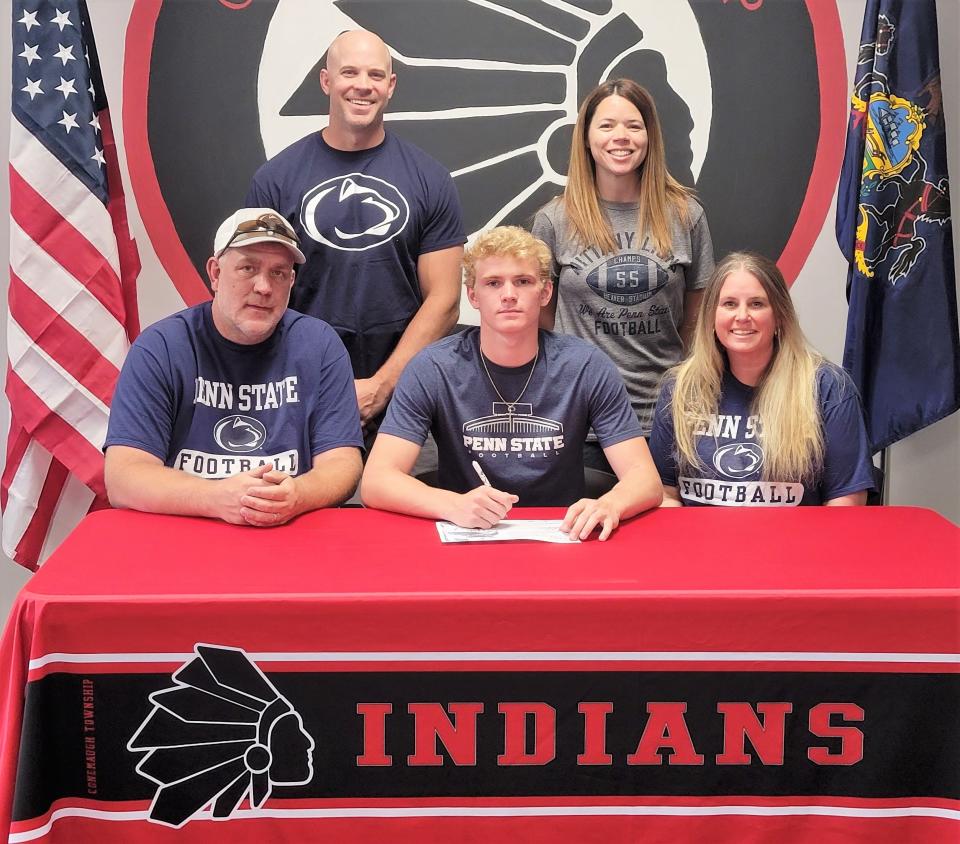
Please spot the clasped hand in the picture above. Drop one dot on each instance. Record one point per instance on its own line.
(261, 497)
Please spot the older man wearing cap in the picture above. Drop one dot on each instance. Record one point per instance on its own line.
(238, 408)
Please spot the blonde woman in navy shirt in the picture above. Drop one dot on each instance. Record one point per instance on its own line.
(755, 416)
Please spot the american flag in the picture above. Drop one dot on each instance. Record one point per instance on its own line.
(73, 268)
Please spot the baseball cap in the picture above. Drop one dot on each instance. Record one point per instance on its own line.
(256, 225)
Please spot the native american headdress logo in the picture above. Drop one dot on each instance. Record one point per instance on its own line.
(221, 734)
(491, 90)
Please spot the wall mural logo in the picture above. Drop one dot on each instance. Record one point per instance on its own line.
(354, 212)
(222, 733)
(492, 91)
(239, 433)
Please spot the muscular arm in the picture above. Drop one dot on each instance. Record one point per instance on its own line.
(388, 485)
(439, 274)
(637, 489)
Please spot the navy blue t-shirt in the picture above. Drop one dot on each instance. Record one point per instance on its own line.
(213, 408)
(731, 450)
(529, 444)
(363, 218)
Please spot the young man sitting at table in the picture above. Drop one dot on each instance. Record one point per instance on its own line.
(237, 409)
(510, 407)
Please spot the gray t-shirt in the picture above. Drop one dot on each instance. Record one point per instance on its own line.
(630, 302)
(529, 444)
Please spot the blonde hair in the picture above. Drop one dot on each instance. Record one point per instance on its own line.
(661, 196)
(506, 241)
(785, 400)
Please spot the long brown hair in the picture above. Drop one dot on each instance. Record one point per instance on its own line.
(785, 400)
(660, 194)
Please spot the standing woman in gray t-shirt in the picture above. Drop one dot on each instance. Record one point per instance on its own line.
(631, 248)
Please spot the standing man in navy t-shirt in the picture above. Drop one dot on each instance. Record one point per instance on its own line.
(510, 407)
(378, 219)
(237, 409)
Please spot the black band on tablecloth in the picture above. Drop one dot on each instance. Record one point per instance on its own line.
(557, 733)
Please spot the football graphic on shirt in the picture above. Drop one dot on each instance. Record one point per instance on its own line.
(627, 279)
(491, 90)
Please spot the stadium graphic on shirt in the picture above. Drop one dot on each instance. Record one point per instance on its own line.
(221, 734)
(491, 90)
(529, 433)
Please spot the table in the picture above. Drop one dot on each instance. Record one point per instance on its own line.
(707, 674)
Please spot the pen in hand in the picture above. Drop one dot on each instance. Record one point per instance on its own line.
(483, 478)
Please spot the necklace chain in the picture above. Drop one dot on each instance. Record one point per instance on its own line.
(509, 404)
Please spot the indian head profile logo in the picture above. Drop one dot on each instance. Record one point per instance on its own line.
(221, 734)
(491, 90)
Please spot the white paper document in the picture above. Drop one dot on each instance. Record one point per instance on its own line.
(510, 530)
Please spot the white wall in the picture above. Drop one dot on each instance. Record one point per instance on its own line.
(923, 470)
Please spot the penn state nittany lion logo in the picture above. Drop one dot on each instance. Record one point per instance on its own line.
(221, 734)
(738, 460)
(240, 434)
(627, 279)
(354, 212)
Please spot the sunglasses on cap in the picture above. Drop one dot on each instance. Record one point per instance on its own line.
(265, 223)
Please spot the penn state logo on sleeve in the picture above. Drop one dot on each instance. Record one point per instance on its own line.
(354, 213)
(220, 734)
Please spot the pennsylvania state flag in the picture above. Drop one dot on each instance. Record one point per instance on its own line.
(893, 226)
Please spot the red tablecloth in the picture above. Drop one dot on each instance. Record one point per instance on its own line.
(705, 675)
